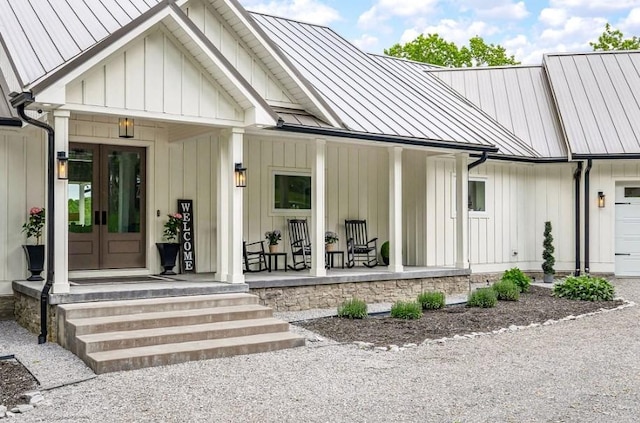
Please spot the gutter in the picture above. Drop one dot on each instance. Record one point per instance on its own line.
(576, 177)
(478, 162)
(397, 139)
(16, 123)
(20, 101)
(587, 212)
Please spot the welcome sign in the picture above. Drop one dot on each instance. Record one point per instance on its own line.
(187, 242)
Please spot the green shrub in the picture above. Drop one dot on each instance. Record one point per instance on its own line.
(406, 310)
(482, 297)
(506, 290)
(584, 287)
(516, 276)
(353, 309)
(384, 252)
(431, 300)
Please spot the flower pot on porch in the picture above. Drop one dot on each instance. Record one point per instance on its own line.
(35, 261)
(330, 247)
(273, 248)
(168, 255)
(548, 278)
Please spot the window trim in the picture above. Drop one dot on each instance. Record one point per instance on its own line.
(487, 196)
(273, 171)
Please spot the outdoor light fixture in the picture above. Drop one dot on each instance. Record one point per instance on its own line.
(241, 176)
(601, 197)
(125, 127)
(63, 165)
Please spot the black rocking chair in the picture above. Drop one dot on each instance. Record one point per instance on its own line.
(359, 246)
(300, 244)
(254, 258)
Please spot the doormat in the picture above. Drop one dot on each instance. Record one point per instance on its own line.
(119, 280)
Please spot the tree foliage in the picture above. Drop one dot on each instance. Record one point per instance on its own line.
(435, 50)
(613, 39)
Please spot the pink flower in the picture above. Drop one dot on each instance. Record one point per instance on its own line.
(35, 210)
(177, 216)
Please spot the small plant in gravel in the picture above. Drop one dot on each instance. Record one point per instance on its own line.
(516, 276)
(483, 298)
(506, 290)
(431, 300)
(587, 288)
(353, 309)
(406, 310)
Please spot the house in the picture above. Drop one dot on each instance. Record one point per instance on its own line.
(209, 86)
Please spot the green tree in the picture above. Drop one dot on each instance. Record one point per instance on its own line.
(613, 39)
(435, 50)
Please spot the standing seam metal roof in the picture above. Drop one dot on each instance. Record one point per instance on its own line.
(598, 100)
(370, 96)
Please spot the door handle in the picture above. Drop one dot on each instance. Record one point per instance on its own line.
(96, 217)
(623, 254)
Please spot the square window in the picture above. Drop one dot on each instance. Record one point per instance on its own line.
(477, 196)
(292, 191)
(632, 192)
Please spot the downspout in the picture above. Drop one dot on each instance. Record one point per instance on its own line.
(587, 212)
(576, 177)
(44, 295)
(485, 156)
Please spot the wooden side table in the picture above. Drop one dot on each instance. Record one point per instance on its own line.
(330, 256)
(272, 260)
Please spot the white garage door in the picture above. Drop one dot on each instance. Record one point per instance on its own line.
(628, 230)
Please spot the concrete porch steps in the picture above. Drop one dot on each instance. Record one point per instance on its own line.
(129, 334)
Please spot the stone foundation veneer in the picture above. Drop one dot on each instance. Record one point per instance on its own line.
(6, 307)
(27, 314)
(330, 295)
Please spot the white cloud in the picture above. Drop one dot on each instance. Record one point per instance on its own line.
(460, 32)
(366, 42)
(594, 5)
(505, 11)
(311, 11)
(575, 29)
(383, 10)
(553, 17)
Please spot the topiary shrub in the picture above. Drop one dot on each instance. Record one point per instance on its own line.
(587, 288)
(547, 253)
(482, 297)
(406, 310)
(431, 300)
(353, 309)
(384, 253)
(516, 276)
(506, 290)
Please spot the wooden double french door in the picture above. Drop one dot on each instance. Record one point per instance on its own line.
(106, 207)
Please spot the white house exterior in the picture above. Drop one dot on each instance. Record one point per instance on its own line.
(210, 85)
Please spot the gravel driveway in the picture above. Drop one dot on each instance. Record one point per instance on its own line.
(586, 370)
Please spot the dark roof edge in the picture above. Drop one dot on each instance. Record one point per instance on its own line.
(110, 39)
(336, 132)
(13, 122)
(532, 160)
(605, 156)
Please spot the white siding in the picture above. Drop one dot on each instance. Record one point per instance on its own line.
(155, 74)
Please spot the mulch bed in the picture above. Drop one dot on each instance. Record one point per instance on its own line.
(15, 380)
(536, 306)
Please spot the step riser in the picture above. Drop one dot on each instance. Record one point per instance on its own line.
(170, 321)
(182, 357)
(117, 344)
(111, 310)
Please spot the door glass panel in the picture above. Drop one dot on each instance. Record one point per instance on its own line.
(80, 190)
(632, 192)
(124, 192)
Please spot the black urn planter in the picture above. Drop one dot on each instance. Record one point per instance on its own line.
(35, 261)
(168, 255)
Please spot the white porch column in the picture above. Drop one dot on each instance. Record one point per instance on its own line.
(462, 211)
(236, 212)
(318, 209)
(61, 204)
(222, 221)
(395, 209)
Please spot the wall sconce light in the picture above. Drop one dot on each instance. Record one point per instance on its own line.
(125, 127)
(601, 198)
(63, 165)
(241, 175)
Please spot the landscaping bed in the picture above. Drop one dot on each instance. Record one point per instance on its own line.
(536, 306)
(15, 380)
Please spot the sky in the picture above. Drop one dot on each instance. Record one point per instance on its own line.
(527, 29)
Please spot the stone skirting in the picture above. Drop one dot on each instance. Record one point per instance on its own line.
(329, 295)
(27, 314)
(6, 307)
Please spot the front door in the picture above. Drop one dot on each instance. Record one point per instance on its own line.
(106, 207)
(627, 236)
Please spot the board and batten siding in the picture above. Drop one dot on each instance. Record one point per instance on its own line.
(22, 172)
(156, 74)
(243, 59)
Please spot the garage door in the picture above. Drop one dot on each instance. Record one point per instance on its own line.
(628, 230)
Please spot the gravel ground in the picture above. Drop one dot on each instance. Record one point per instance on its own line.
(585, 370)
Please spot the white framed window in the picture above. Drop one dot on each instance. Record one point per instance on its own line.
(290, 192)
(477, 196)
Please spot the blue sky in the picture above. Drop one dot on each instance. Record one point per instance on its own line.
(526, 29)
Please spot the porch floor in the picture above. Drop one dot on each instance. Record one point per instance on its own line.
(204, 283)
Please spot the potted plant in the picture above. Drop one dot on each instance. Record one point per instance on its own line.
(273, 237)
(384, 252)
(547, 254)
(330, 240)
(35, 253)
(169, 250)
